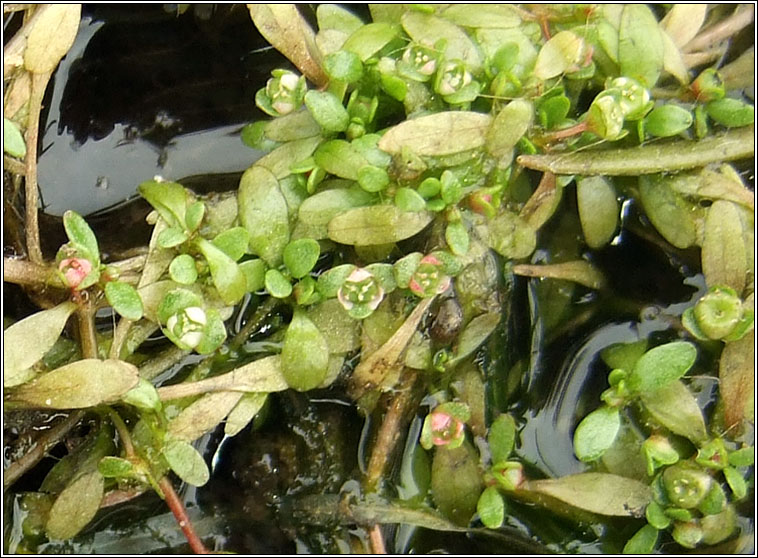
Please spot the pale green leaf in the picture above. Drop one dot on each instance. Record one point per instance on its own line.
(683, 21)
(81, 384)
(281, 160)
(81, 236)
(442, 133)
(202, 415)
(13, 140)
(377, 224)
(305, 354)
(491, 508)
(76, 506)
(227, 276)
(724, 247)
(596, 433)
(484, 16)
(186, 462)
(662, 365)
(670, 214)
(579, 271)
(320, 208)
(27, 341)
(508, 127)
(263, 212)
(124, 299)
(562, 52)
(428, 29)
(641, 47)
(294, 126)
(598, 209)
(369, 39)
(243, 412)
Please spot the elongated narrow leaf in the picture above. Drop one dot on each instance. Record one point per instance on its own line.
(640, 45)
(263, 212)
(76, 506)
(243, 412)
(475, 333)
(600, 493)
(676, 408)
(502, 437)
(724, 254)
(508, 127)
(662, 365)
(443, 133)
(579, 271)
(376, 224)
(598, 209)
(203, 415)
(51, 36)
(485, 15)
(737, 380)
(289, 33)
(186, 462)
(683, 21)
(81, 384)
(305, 354)
(27, 341)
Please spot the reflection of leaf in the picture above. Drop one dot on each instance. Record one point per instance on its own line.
(376, 224)
(27, 341)
(442, 133)
(186, 462)
(676, 408)
(600, 493)
(736, 380)
(84, 383)
(724, 251)
(51, 36)
(263, 212)
(287, 31)
(76, 506)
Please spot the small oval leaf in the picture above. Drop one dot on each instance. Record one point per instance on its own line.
(662, 365)
(442, 133)
(377, 224)
(124, 299)
(76, 506)
(263, 212)
(186, 462)
(596, 433)
(598, 209)
(305, 354)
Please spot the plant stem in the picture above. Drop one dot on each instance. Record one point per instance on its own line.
(161, 362)
(646, 159)
(44, 443)
(23, 272)
(742, 17)
(376, 540)
(123, 433)
(389, 431)
(119, 338)
(180, 513)
(39, 83)
(87, 332)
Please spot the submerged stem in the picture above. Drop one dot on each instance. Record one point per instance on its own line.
(648, 159)
(180, 513)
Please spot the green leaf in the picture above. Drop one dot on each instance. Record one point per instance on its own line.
(743, 457)
(598, 209)
(731, 112)
(508, 127)
(343, 66)
(408, 199)
(667, 120)
(502, 437)
(233, 242)
(373, 179)
(300, 256)
(143, 396)
(214, 332)
(485, 15)
(277, 284)
(331, 280)
(186, 462)
(640, 48)
(670, 214)
(340, 158)
(429, 29)
(442, 133)
(124, 299)
(27, 341)
(13, 140)
(305, 354)
(474, 334)
(204, 414)
(81, 236)
(281, 160)
(491, 508)
(327, 110)
(342, 333)
(643, 541)
(723, 255)
(255, 273)
(563, 51)
(172, 236)
(81, 384)
(263, 212)
(369, 39)
(457, 238)
(377, 224)
(456, 482)
(183, 269)
(674, 406)
(76, 506)
(294, 126)
(322, 206)
(244, 411)
(405, 267)
(736, 482)
(510, 236)
(596, 433)
(662, 365)
(168, 198)
(115, 467)
(227, 276)
(600, 493)
(331, 16)
(194, 215)
(624, 355)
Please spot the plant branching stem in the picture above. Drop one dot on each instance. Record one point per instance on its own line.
(180, 513)
(44, 443)
(123, 433)
(24, 272)
(646, 159)
(39, 83)
(742, 17)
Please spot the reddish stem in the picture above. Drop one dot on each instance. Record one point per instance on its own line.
(574, 130)
(180, 513)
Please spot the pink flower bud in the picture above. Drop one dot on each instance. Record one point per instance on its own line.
(75, 270)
